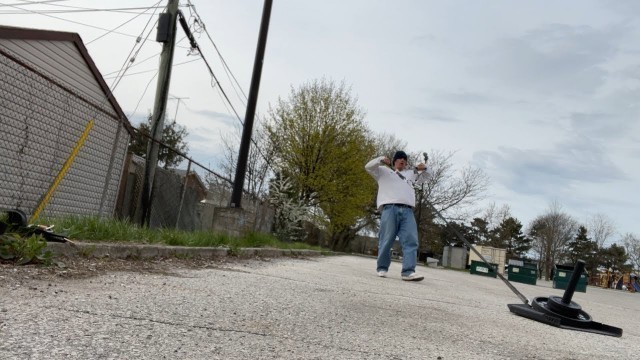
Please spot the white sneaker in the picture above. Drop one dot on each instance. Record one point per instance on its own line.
(412, 277)
(382, 273)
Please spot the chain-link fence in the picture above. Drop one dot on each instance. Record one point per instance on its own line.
(63, 150)
(41, 123)
(188, 198)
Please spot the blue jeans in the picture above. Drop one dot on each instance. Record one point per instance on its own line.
(398, 221)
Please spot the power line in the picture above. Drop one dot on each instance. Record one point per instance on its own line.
(126, 22)
(229, 73)
(77, 10)
(225, 66)
(134, 65)
(130, 58)
(231, 105)
(219, 85)
(143, 93)
(151, 70)
(27, 2)
(137, 63)
(71, 21)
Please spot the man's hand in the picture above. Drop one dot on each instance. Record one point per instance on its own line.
(386, 160)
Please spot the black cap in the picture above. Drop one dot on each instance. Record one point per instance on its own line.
(398, 155)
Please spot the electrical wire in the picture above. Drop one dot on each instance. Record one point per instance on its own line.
(232, 107)
(27, 2)
(136, 64)
(198, 19)
(143, 93)
(217, 82)
(130, 59)
(225, 65)
(125, 23)
(153, 77)
(70, 21)
(77, 10)
(151, 70)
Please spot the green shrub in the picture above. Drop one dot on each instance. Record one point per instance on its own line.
(24, 250)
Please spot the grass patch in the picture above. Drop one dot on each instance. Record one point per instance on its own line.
(109, 230)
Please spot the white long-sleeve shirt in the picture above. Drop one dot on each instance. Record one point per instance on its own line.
(393, 189)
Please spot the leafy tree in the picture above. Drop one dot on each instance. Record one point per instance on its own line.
(173, 135)
(321, 144)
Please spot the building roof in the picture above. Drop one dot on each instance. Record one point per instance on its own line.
(183, 174)
(19, 33)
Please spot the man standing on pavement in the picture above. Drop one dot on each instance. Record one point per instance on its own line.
(396, 199)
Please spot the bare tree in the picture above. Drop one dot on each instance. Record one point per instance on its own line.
(551, 232)
(258, 163)
(257, 176)
(632, 246)
(388, 144)
(600, 228)
(494, 215)
(452, 191)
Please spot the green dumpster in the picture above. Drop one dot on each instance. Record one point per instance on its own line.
(481, 268)
(562, 275)
(526, 274)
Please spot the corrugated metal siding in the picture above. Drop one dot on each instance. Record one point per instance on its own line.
(40, 124)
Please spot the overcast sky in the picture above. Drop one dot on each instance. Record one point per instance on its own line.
(542, 95)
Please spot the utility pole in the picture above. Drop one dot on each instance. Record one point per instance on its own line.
(238, 183)
(167, 35)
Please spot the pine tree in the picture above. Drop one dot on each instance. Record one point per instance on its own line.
(583, 248)
(479, 233)
(509, 235)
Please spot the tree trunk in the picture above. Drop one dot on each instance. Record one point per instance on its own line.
(340, 240)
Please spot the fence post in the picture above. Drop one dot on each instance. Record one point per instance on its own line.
(182, 192)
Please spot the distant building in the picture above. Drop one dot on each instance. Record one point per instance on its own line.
(194, 182)
(50, 89)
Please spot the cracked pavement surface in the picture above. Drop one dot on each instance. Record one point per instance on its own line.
(321, 308)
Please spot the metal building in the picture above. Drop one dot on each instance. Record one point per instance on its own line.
(50, 89)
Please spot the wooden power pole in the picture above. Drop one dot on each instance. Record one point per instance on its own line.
(245, 142)
(166, 35)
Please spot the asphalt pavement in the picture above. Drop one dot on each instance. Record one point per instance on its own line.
(326, 307)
